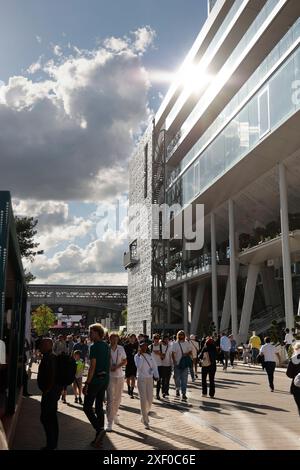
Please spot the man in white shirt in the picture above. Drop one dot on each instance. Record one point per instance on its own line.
(118, 359)
(288, 339)
(195, 352)
(146, 371)
(181, 349)
(165, 369)
(225, 345)
(268, 351)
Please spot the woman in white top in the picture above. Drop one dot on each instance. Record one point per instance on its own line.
(116, 380)
(146, 371)
(269, 360)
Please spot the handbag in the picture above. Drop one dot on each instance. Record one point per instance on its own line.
(297, 381)
(185, 361)
(206, 362)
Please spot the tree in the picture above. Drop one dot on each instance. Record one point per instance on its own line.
(124, 316)
(26, 231)
(42, 319)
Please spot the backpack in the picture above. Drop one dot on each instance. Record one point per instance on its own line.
(206, 360)
(65, 369)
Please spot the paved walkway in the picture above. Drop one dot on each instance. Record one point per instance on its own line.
(244, 415)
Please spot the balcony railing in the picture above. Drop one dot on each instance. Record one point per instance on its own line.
(129, 260)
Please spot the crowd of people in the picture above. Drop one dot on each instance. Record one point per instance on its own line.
(149, 365)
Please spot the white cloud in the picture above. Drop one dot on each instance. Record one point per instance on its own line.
(144, 37)
(57, 50)
(97, 260)
(33, 68)
(69, 136)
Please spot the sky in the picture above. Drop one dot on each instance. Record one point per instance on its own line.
(79, 81)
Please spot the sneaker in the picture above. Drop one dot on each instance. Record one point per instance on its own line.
(116, 420)
(204, 394)
(193, 380)
(184, 397)
(76, 400)
(157, 397)
(108, 428)
(80, 400)
(131, 396)
(177, 393)
(64, 401)
(164, 395)
(147, 426)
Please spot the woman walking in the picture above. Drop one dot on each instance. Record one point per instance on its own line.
(116, 380)
(182, 358)
(208, 356)
(146, 372)
(292, 371)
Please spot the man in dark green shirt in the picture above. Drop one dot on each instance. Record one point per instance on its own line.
(97, 381)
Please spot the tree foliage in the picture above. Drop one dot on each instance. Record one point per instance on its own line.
(42, 319)
(26, 232)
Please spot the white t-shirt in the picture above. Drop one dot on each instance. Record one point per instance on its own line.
(116, 357)
(195, 348)
(156, 357)
(167, 350)
(185, 346)
(268, 350)
(289, 338)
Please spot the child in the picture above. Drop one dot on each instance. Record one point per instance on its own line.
(77, 384)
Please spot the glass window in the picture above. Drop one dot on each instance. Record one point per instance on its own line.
(264, 112)
(281, 93)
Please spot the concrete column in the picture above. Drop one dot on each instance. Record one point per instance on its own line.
(233, 270)
(225, 318)
(286, 256)
(185, 306)
(214, 278)
(253, 271)
(197, 307)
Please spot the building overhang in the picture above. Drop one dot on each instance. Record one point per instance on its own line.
(269, 250)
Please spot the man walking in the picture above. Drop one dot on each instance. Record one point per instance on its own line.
(97, 381)
(51, 391)
(225, 345)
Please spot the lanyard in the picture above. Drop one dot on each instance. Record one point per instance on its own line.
(146, 361)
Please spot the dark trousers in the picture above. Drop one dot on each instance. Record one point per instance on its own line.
(225, 357)
(296, 394)
(95, 392)
(164, 379)
(49, 416)
(232, 356)
(270, 369)
(210, 372)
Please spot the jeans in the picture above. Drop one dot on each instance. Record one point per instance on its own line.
(270, 369)
(254, 353)
(210, 372)
(181, 378)
(226, 357)
(95, 392)
(49, 416)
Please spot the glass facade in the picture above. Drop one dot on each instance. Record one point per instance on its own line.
(271, 105)
(204, 102)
